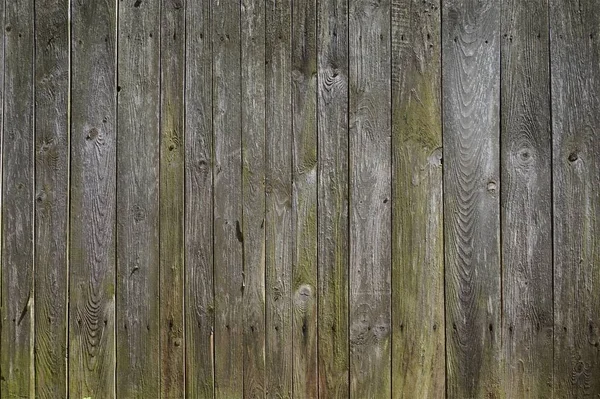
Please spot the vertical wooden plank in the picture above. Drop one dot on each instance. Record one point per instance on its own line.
(333, 243)
(253, 193)
(418, 351)
(227, 199)
(138, 99)
(370, 206)
(527, 319)
(17, 361)
(92, 214)
(304, 198)
(278, 219)
(575, 52)
(471, 62)
(172, 191)
(52, 196)
(199, 307)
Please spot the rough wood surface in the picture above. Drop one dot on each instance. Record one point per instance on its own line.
(92, 209)
(253, 193)
(526, 154)
(575, 51)
(227, 169)
(278, 218)
(471, 82)
(370, 192)
(138, 102)
(172, 194)
(18, 147)
(304, 198)
(199, 288)
(52, 196)
(333, 242)
(418, 359)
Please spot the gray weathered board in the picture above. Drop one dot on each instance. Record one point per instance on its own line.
(300, 198)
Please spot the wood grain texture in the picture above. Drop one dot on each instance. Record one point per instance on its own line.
(52, 196)
(526, 154)
(370, 192)
(575, 91)
(470, 40)
(304, 198)
(172, 194)
(418, 350)
(18, 147)
(278, 219)
(93, 188)
(228, 262)
(333, 242)
(199, 294)
(138, 102)
(253, 193)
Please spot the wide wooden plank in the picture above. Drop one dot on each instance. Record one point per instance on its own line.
(92, 209)
(278, 219)
(17, 334)
(418, 351)
(304, 198)
(227, 168)
(333, 243)
(370, 205)
(253, 194)
(172, 62)
(52, 196)
(199, 306)
(471, 48)
(575, 51)
(138, 100)
(527, 319)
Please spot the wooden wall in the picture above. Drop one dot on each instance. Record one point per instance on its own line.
(300, 198)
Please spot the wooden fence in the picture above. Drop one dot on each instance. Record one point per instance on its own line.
(300, 198)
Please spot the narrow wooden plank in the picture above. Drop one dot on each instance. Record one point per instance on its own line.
(199, 306)
(138, 99)
(92, 215)
(228, 263)
(52, 196)
(471, 51)
(333, 243)
(526, 154)
(172, 191)
(17, 334)
(575, 51)
(370, 206)
(253, 194)
(304, 198)
(418, 351)
(278, 219)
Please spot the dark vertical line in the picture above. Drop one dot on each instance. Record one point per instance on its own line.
(265, 221)
(441, 93)
(391, 33)
(183, 177)
(2, 179)
(241, 113)
(31, 303)
(68, 204)
(212, 191)
(550, 106)
(317, 68)
(116, 226)
(160, 166)
(349, 196)
(499, 204)
(293, 240)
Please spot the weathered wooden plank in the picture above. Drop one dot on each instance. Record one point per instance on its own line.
(199, 294)
(228, 262)
(17, 334)
(52, 196)
(138, 100)
(526, 154)
(172, 191)
(370, 206)
(278, 219)
(333, 243)
(575, 51)
(92, 208)
(418, 351)
(253, 194)
(304, 198)
(470, 40)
